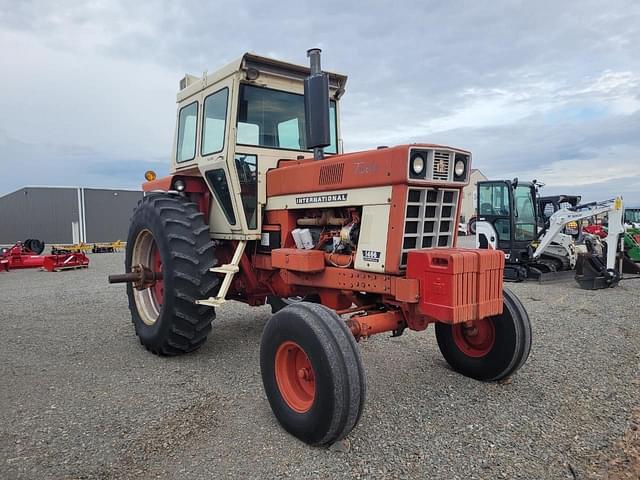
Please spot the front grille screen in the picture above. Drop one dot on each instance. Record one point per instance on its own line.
(430, 219)
(441, 165)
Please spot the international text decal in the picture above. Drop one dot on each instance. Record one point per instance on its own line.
(334, 197)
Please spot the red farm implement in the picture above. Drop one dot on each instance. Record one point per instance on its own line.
(21, 256)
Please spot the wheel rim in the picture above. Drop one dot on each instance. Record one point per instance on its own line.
(148, 301)
(295, 377)
(476, 340)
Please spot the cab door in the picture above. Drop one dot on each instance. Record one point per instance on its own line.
(216, 158)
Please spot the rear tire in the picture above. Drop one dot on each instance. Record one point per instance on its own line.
(312, 373)
(500, 346)
(168, 233)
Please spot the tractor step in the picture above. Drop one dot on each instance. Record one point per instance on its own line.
(228, 270)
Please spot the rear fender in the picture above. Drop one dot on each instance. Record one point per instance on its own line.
(195, 189)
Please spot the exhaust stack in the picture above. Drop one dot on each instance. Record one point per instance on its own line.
(316, 106)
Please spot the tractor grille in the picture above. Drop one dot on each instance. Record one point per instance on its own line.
(331, 174)
(430, 219)
(441, 164)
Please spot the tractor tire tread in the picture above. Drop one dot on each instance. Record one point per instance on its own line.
(343, 365)
(191, 256)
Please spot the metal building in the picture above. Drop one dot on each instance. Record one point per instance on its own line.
(66, 214)
(469, 195)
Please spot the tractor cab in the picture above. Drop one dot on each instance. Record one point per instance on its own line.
(507, 217)
(632, 217)
(234, 125)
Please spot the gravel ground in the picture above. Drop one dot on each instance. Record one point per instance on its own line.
(80, 398)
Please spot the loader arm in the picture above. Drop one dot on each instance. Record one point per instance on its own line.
(559, 219)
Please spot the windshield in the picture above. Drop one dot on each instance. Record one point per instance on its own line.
(275, 119)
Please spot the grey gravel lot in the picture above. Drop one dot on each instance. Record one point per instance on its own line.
(80, 398)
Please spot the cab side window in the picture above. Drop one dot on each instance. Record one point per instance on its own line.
(214, 122)
(187, 127)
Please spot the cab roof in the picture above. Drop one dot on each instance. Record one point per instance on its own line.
(191, 84)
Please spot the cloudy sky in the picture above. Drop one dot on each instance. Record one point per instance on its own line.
(536, 89)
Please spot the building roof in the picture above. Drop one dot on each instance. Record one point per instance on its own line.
(71, 187)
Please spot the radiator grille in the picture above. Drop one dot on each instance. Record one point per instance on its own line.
(430, 219)
(441, 164)
(331, 174)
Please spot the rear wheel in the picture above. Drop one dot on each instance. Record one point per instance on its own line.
(312, 373)
(492, 348)
(168, 234)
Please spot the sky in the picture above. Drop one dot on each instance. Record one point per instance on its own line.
(546, 90)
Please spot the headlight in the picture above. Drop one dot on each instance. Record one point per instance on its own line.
(417, 164)
(179, 185)
(459, 168)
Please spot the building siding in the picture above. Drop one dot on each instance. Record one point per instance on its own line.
(48, 213)
(43, 213)
(468, 208)
(108, 212)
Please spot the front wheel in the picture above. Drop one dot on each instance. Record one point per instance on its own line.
(492, 348)
(312, 373)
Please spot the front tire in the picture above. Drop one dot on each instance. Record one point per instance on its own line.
(312, 373)
(278, 303)
(493, 348)
(168, 234)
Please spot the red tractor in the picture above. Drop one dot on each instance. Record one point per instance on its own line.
(262, 206)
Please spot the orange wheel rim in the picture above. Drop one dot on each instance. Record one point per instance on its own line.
(295, 377)
(476, 340)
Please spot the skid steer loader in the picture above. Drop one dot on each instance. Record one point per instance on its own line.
(262, 205)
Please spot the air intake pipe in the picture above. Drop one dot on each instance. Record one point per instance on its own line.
(316, 106)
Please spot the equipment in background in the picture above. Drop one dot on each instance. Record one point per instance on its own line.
(509, 219)
(549, 205)
(631, 239)
(19, 256)
(595, 229)
(595, 268)
(109, 247)
(632, 217)
(632, 243)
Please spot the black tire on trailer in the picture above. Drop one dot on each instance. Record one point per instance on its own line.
(312, 373)
(168, 233)
(35, 245)
(278, 303)
(494, 349)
